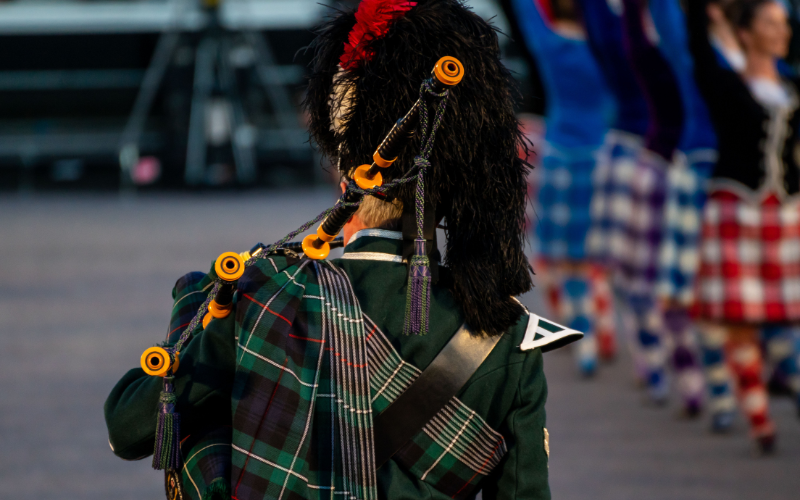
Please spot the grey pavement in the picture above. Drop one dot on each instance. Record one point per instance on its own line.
(85, 286)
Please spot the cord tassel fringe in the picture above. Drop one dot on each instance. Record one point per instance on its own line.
(418, 298)
(167, 453)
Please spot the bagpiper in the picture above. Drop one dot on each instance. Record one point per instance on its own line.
(391, 372)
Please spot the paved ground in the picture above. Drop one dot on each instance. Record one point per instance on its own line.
(84, 288)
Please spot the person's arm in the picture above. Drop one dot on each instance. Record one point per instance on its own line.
(522, 475)
(658, 83)
(670, 23)
(202, 385)
(600, 21)
(712, 79)
(535, 26)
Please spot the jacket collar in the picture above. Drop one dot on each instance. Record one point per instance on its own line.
(379, 241)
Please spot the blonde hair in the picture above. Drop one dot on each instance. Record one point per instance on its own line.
(380, 214)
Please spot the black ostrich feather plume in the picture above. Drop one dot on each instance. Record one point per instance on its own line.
(477, 180)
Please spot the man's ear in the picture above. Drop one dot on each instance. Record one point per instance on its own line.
(343, 185)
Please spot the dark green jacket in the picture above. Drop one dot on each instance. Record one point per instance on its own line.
(507, 393)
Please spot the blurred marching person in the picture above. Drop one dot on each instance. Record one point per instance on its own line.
(637, 251)
(686, 196)
(749, 274)
(780, 343)
(612, 179)
(575, 124)
(719, 379)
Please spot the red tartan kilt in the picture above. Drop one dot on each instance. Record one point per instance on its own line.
(749, 260)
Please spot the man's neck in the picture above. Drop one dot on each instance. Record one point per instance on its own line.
(354, 225)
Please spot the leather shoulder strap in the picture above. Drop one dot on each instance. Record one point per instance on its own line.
(430, 392)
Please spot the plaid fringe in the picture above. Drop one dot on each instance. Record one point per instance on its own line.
(344, 326)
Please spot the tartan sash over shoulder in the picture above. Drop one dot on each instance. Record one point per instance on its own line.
(302, 422)
(311, 369)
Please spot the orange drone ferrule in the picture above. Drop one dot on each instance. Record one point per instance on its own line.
(321, 234)
(207, 319)
(315, 248)
(218, 311)
(157, 362)
(229, 266)
(363, 179)
(449, 71)
(381, 161)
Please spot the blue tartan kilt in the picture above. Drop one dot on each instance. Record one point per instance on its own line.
(679, 255)
(613, 196)
(562, 202)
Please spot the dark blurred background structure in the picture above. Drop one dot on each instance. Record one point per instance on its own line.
(160, 94)
(107, 94)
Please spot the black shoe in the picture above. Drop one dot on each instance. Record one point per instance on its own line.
(778, 386)
(766, 444)
(692, 408)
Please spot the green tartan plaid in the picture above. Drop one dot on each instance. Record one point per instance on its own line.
(294, 316)
(453, 451)
(207, 464)
(189, 293)
(302, 421)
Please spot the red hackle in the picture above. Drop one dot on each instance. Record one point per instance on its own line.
(373, 20)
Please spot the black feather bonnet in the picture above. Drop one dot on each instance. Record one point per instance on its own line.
(477, 181)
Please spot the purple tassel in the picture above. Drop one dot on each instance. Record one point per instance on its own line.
(418, 298)
(167, 453)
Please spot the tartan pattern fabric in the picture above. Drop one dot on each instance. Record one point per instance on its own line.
(750, 260)
(605, 320)
(602, 305)
(456, 449)
(612, 198)
(290, 416)
(389, 374)
(562, 202)
(679, 256)
(639, 219)
(577, 312)
(645, 231)
(207, 464)
(283, 445)
(747, 366)
(344, 326)
(189, 293)
(206, 455)
(719, 379)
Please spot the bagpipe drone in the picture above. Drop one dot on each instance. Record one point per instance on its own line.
(366, 180)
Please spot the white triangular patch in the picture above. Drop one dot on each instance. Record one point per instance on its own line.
(546, 334)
